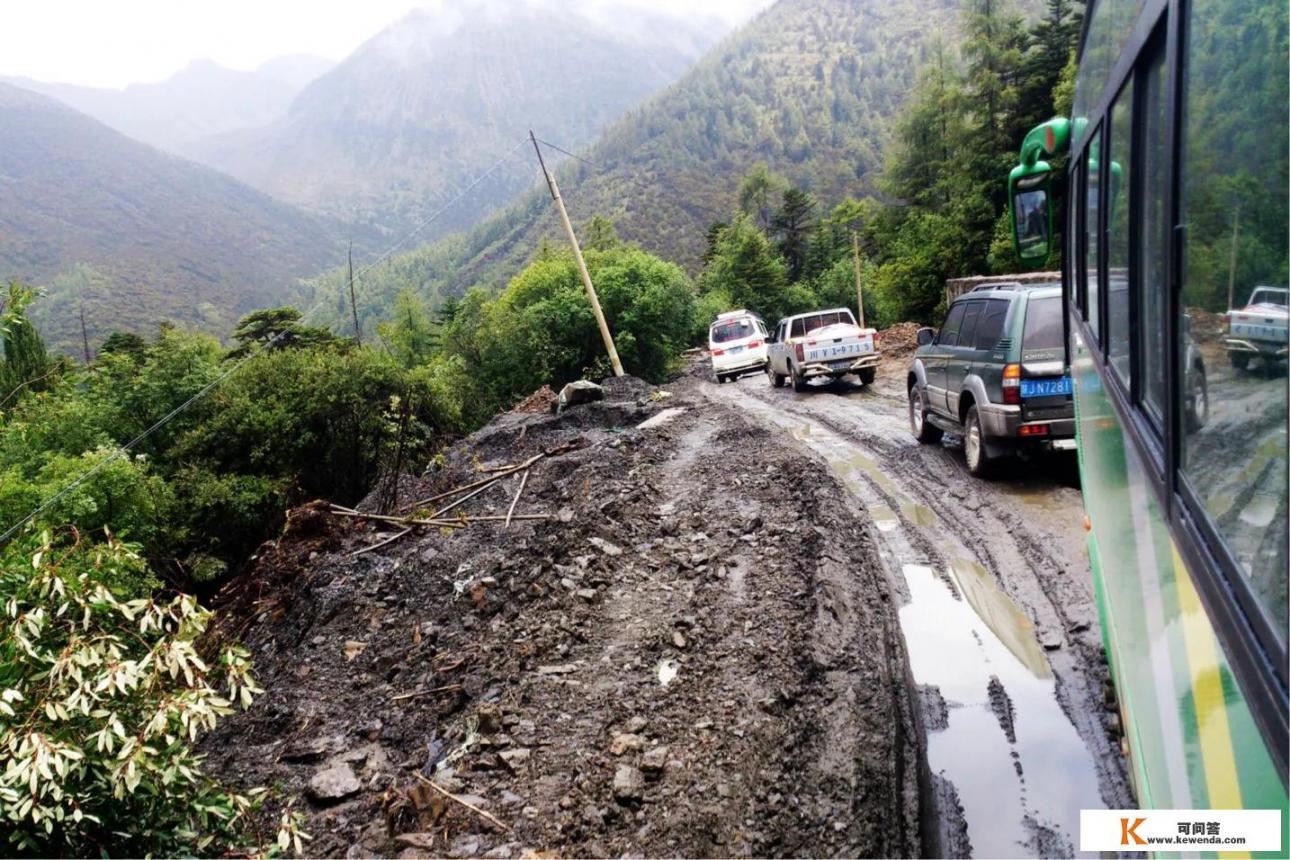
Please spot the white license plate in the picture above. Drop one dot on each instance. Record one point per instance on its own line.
(840, 365)
(1063, 444)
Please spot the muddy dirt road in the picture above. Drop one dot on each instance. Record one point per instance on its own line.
(753, 623)
(998, 614)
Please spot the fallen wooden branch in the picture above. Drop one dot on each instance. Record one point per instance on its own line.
(402, 521)
(515, 501)
(459, 522)
(472, 807)
(502, 472)
(449, 688)
(385, 542)
(481, 483)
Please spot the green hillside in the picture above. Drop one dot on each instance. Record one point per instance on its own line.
(811, 87)
(140, 236)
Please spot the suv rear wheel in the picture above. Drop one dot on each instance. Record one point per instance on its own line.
(923, 430)
(974, 450)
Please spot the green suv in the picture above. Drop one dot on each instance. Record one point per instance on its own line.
(995, 374)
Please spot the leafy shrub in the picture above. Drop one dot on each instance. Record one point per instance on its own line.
(103, 692)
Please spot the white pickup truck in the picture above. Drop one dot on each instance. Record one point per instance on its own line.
(821, 343)
(1260, 328)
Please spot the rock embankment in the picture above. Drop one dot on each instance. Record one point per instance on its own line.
(697, 653)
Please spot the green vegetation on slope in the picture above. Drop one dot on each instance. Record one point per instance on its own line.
(137, 235)
(811, 87)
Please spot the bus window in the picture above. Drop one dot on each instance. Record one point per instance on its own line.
(1092, 171)
(1236, 216)
(1152, 240)
(1119, 194)
(1074, 229)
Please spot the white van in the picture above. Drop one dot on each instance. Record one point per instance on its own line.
(737, 343)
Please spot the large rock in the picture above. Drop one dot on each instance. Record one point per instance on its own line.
(629, 784)
(334, 782)
(574, 393)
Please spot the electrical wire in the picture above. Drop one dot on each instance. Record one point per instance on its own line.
(208, 387)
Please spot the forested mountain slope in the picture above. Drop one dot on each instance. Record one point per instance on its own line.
(202, 100)
(812, 87)
(417, 111)
(141, 236)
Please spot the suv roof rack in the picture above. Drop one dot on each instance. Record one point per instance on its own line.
(1003, 285)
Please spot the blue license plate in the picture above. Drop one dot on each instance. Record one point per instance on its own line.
(1049, 386)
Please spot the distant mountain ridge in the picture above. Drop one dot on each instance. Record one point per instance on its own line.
(418, 110)
(136, 234)
(202, 100)
(812, 87)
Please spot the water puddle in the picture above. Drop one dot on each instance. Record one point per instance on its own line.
(919, 515)
(997, 611)
(884, 518)
(1015, 759)
(1013, 756)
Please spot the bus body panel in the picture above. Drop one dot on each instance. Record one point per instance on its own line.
(1192, 741)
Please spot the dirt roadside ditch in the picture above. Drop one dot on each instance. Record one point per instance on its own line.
(521, 669)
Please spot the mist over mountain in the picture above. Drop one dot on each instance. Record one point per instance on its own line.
(423, 107)
(138, 235)
(202, 100)
(811, 87)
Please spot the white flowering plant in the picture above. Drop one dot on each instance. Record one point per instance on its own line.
(104, 691)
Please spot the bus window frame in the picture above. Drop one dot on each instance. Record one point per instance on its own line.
(1255, 648)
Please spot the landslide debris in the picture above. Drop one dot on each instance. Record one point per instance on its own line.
(698, 654)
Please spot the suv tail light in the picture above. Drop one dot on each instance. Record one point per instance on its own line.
(1034, 430)
(1012, 384)
(718, 352)
(754, 344)
(801, 353)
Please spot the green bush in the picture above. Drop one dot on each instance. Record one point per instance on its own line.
(103, 693)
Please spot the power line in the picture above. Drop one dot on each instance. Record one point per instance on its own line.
(570, 154)
(208, 387)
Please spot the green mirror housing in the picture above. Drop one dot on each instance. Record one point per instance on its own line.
(1031, 216)
(1029, 192)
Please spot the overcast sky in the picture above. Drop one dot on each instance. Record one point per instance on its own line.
(111, 43)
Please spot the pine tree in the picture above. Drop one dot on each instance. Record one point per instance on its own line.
(792, 225)
(992, 46)
(1050, 44)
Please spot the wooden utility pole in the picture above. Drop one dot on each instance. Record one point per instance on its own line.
(353, 303)
(582, 264)
(855, 253)
(1231, 263)
(85, 336)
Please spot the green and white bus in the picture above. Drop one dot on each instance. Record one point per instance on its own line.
(1178, 206)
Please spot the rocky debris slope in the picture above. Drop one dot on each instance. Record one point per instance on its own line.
(698, 654)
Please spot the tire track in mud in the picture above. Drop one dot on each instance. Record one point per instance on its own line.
(970, 533)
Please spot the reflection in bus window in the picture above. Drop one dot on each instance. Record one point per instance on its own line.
(1236, 216)
(1110, 25)
(1151, 285)
(1117, 232)
(1092, 167)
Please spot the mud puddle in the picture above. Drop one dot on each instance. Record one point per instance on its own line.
(1018, 766)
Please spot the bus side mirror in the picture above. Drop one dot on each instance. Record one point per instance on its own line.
(1030, 213)
(926, 336)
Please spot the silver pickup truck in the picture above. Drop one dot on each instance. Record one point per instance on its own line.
(821, 343)
(1259, 329)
